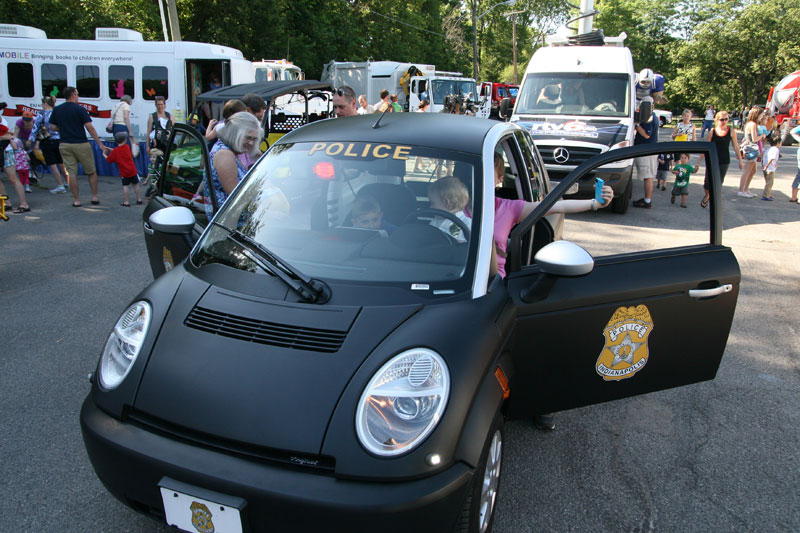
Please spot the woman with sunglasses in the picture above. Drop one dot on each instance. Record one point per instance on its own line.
(722, 135)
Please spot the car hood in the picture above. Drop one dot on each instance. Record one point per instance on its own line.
(258, 372)
(605, 131)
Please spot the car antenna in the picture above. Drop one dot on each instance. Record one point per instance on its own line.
(377, 122)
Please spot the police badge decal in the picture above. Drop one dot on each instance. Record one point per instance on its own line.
(625, 351)
(201, 518)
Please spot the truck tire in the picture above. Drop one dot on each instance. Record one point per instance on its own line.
(619, 204)
(477, 515)
(787, 139)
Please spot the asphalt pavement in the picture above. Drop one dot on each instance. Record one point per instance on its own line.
(716, 456)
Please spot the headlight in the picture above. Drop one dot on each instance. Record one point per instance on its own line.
(123, 344)
(403, 402)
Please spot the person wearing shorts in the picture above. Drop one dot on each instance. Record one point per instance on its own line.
(122, 156)
(47, 141)
(72, 121)
(646, 166)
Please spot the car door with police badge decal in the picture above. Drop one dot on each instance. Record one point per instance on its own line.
(637, 318)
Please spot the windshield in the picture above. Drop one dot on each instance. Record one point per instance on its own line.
(504, 92)
(355, 211)
(575, 94)
(443, 88)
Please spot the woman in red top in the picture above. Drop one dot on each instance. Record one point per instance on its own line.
(122, 156)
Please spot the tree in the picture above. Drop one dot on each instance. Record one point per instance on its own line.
(733, 59)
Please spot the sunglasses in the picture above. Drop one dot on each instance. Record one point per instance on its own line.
(723, 119)
(345, 92)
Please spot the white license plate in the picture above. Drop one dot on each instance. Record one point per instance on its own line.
(191, 513)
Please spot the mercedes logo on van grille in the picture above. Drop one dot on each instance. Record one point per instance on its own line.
(561, 155)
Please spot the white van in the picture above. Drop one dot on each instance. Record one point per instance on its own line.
(116, 63)
(579, 101)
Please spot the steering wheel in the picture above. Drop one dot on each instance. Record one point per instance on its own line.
(416, 215)
(606, 106)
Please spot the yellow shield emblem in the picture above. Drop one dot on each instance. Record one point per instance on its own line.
(201, 518)
(625, 351)
(166, 256)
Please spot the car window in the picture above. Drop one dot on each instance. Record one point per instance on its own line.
(356, 211)
(184, 173)
(664, 225)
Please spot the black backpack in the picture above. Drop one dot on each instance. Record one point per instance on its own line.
(161, 138)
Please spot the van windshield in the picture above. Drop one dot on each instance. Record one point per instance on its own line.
(579, 94)
(356, 211)
(443, 88)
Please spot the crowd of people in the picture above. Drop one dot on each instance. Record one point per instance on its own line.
(56, 137)
(759, 149)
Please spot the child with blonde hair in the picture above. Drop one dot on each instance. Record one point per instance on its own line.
(451, 195)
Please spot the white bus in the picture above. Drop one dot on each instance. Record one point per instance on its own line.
(116, 63)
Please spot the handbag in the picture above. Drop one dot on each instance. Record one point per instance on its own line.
(110, 125)
(749, 152)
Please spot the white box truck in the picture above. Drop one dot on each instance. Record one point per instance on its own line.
(410, 81)
(578, 101)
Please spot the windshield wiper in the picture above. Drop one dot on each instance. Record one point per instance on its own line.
(311, 290)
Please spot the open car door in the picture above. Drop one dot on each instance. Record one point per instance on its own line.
(179, 183)
(632, 317)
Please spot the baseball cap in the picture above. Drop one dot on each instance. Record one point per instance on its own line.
(3, 129)
(27, 115)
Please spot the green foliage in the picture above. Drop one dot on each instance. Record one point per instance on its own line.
(725, 52)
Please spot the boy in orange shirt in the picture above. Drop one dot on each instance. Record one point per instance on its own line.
(122, 156)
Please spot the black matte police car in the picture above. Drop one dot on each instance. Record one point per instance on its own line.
(331, 352)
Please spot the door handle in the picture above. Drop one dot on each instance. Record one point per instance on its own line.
(706, 293)
(148, 230)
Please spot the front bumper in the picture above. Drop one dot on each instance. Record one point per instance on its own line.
(131, 461)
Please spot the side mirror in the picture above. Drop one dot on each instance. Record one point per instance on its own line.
(645, 112)
(505, 105)
(173, 220)
(564, 258)
(559, 258)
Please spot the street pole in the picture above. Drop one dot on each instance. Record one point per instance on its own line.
(514, 40)
(514, 14)
(475, 40)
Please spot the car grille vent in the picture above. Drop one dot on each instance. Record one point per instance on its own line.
(261, 332)
(577, 155)
(251, 452)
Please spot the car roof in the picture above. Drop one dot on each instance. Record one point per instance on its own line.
(438, 130)
(268, 90)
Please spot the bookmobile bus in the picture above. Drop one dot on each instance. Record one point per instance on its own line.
(117, 62)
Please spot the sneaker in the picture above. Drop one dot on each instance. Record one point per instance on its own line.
(767, 198)
(641, 203)
(28, 189)
(59, 190)
(544, 422)
(743, 194)
(750, 195)
(663, 187)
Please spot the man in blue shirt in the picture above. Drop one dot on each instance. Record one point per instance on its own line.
(646, 166)
(72, 122)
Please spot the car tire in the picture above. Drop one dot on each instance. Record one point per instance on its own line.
(477, 515)
(663, 121)
(619, 204)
